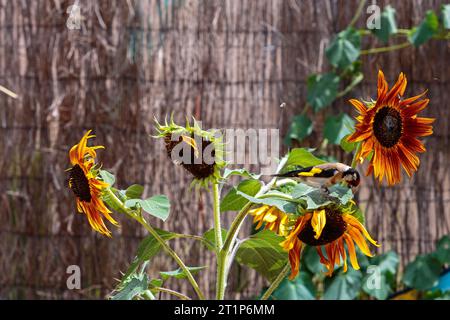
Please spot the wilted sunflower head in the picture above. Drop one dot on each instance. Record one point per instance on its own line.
(327, 228)
(200, 152)
(389, 128)
(85, 185)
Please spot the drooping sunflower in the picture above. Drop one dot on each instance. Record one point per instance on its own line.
(328, 228)
(84, 182)
(390, 127)
(200, 152)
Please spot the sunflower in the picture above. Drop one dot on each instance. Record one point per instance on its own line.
(273, 219)
(86, 187)
(389, 127)
(198, 151)
(329, 228)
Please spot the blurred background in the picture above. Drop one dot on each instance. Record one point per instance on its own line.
(229, 64)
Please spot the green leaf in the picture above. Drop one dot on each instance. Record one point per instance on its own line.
(107, 177)
(134, 191)
(423, 273)
(282, 204)
(316, 198)
(337, 127)
(108, 199)
(347, 146)
(147, 249)
(134, 286)
(388, 26)
(425, 30)
(343, 286)
(301, 288)
(157, 206)
(301, 190)
(445, 16)
(234, 201)
(311, 260)
(239, 172)
(262, 252)
(387, 267)
(301, 127)
(344, 49)
(179, 273)
(322, 90)
(302, 157)
(211, 237)
(442, 252)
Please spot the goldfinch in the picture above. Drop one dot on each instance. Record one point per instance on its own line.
(325, 175)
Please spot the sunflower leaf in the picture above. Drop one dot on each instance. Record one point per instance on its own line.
(262, 252)
(384, 269)
(239, 172)
(233, 201)
(302, 157)
(211, 238)
(134, 286)
(426, 30)
(274, 200)
(107, 177)
(179, 273)
(322, 90)
(442, 252)
(347, 146)
(134, 191)
(157, 206)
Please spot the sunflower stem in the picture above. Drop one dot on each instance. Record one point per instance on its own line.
(139, 218)
(355, 156)
(221, 278)
(172, 292)
(276, 282)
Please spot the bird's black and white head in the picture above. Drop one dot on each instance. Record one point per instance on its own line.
(352, 178)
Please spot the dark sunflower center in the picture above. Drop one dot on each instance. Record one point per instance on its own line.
(199, 169)
(335, 227)
(387, 126)
(79, 184)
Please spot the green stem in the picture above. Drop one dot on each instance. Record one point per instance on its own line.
(172, 292)
(158, 238)
(386, 49)
(276, 282)
(221, 279)
(357, 13)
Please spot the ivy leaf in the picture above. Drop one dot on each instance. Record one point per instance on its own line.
(386, 265)
(445, 16)
(301, 127)
(262, 252)
(344, 49)
(233, 201)
(157, 206)
(442, 252)
(425, 30)
(337, 127)
(322, 90)
(343, 286)
(134, 191)
(423, 273)
(302, 157)
(179, 273)
(301, 288)
(107, 177)
(388, 25)
(134, 286)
